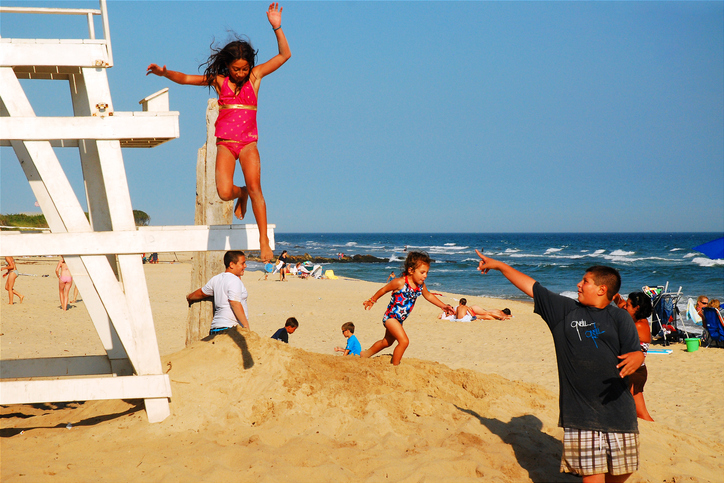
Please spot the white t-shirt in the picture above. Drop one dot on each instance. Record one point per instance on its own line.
(224, 287)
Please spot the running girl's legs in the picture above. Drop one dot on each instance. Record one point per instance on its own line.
(393, 332)
(224, 173)
(251, 166)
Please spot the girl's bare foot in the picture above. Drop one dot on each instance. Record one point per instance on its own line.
(240, 208)
(21, 298)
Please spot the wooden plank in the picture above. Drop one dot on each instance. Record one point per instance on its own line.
(143, 240)
(62, 366)
(85, 389)
(141, 125)
(84, 54)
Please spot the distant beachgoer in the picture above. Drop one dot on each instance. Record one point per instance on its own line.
(405, 291)
(228, 293)
(65, 281)
(494, 314)
(153, 258)
(12, 274)
(596, 348)
(391, 276)
(289, 327)
(638, 305)
(282, 269)
(232, 73)
(353, 346)
(701, 302)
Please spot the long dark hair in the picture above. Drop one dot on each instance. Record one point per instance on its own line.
(220, 59)
(642, 303)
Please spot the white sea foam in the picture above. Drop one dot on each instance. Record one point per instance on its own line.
(621, 253)
(511, 250)
(708, 262)
(676, 249)
(598, 252)
(553, 250)
(692, 254)
(570, 295)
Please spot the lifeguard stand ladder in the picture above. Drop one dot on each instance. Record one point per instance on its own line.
(103, 253)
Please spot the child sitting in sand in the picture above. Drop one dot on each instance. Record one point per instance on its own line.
(597, 346)
(232, 73)
(289, 327)
(405, 290)
(353, 345)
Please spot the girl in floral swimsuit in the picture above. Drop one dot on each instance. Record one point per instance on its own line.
(233, 73)
(405, 291)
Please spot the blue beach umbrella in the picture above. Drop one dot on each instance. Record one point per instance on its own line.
(713, 249)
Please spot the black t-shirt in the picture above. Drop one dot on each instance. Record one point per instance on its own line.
(281, 335)
(588, 342)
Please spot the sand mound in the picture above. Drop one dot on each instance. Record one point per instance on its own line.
(247, 408)
(250, 408)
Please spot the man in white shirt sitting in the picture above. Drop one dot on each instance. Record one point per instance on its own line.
(228, 293)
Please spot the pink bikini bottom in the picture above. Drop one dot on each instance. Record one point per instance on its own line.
(234, 146)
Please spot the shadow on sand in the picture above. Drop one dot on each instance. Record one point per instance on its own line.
(537, 452)
(9, 432)
(240, 341)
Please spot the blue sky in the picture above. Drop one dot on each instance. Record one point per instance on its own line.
(432, 116)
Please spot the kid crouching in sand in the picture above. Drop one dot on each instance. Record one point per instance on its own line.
(353, 345)
(405, 291)
(231, 71)
(597, 346)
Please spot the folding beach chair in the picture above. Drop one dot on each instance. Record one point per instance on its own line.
(713, 328)
(665, 317)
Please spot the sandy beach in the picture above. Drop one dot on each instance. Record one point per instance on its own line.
(470, 402)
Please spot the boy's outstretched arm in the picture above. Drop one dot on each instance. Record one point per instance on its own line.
(196, 296)
(519, 279)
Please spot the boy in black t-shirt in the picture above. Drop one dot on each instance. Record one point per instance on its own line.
(289, 327)
(597, 346)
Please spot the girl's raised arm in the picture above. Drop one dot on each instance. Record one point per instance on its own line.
(274, 14)
(177, 77)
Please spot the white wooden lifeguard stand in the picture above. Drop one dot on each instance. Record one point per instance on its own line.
(103, 253)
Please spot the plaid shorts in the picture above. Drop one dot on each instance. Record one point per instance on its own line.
(596, 452)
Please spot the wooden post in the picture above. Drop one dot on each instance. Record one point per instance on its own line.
(210, 210)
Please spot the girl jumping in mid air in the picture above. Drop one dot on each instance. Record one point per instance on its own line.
(233, 73)
(405, 291)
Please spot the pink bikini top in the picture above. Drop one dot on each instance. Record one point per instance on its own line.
(237, 113)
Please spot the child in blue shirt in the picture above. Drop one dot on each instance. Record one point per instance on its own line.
(353, 345)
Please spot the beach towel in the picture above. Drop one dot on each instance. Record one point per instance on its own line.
(691, 313)
(330, 275)
(451, 318)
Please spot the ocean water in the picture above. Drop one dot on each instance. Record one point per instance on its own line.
(557, 260)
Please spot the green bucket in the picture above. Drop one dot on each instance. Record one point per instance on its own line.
(692, 344)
